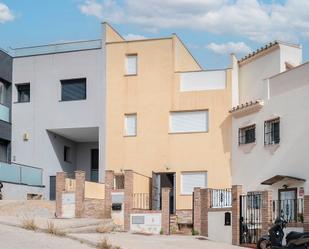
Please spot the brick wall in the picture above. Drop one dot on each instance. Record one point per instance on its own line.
(128, 198)
(94, 208)
(266, 211)
(236, 192)
(79, 193)
(306, 213)
(60, 187)
(109, 186)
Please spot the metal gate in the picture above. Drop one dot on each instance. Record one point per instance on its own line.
(250, 218)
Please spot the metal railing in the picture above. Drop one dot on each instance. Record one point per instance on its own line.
(291, 210)
(21, 174)
(220, 198)
(141, 201)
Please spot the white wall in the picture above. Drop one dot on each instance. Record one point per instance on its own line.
(12, 191)
(203, 80)
(46, 111)
(254, 163)
(217, 231)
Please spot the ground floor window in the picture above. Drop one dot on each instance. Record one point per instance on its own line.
(4, 151)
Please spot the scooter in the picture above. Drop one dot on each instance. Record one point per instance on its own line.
(294, 240)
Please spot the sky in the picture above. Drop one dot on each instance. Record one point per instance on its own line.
(211, 29)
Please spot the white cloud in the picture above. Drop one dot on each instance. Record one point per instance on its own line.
(253, 19)
(229, 47)
(6, 14)
(134, 37)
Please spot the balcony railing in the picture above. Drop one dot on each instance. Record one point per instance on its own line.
(21, 174)
(57, 48)
(141, 201)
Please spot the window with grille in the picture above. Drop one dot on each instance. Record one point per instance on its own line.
(272, 131)
(246, 135)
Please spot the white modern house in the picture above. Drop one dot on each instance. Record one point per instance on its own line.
(269, 133)
(58, 108)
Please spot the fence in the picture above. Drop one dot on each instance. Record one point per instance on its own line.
(220, 198)
(141, 201)
(21, 174)
(291, 210)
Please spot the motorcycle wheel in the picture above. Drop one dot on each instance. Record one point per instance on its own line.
(263, 244)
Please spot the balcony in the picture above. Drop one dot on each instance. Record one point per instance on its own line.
(4, 113)
(20, 174)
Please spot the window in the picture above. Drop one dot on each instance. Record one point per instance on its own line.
(4, 152)
(130, 125)
(246, 135)
(23, 93)
(73, 89)
(272, 131)
(189, 121)
(67, 154)
(191, 180)
(3, 93)
(131, 64)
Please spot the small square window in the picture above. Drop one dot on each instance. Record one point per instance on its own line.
(131, 64)
(272, 131)
(73, 89)
(130, 125)
(67, 154)
(23, 93)
(246, 135)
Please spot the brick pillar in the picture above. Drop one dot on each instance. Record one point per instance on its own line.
(201, 209)
(128, 198)
(109, 186)
(266, 210)
(197, 210)
(165, 223)
(60, 187)
(306, 213)
(79, 193)
(205, 205)
(236, 192)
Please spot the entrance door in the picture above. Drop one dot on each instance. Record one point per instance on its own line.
(94, 165)
(156, 191)
(52, 188)
(288, 204)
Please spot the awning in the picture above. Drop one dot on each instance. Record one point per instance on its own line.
(278, 178)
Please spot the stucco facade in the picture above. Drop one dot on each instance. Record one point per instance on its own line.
(152, 94)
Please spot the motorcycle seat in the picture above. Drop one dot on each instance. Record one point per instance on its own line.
(296, 235)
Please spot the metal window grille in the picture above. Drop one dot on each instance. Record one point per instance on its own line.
(220, 198)
(272, 131)
(246, 135)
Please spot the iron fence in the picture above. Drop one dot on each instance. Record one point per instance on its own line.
(220, 198)
(291, 210)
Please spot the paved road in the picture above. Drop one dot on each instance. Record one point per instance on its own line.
(18, 238)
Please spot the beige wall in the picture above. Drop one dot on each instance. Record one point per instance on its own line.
(94, 190)
(152, 94)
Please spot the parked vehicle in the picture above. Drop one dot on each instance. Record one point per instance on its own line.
(294, 240)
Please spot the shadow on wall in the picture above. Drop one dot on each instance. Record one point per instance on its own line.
(226, 134)
(59, 143)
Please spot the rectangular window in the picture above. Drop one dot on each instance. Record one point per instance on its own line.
(73, 89)
(189, 121)
(130, 125)
(191, 180)
(272, 131)
(131, 64)
(246, 135)
(4, 93)
(23, 93)
(67, 154)
(4, 152)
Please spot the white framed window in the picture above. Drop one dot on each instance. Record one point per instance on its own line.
(191, 180)
(130, 124)
(131, 64)
(189, 121)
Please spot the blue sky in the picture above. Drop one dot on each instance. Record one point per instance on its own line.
(210, 28)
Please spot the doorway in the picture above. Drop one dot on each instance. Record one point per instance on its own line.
(52, 188)
(288, 203)
(94, 165)
(159, 181)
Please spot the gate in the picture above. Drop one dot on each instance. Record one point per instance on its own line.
(250, 218)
